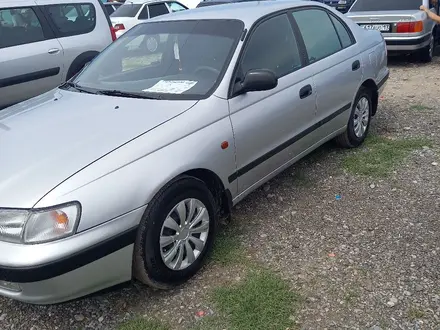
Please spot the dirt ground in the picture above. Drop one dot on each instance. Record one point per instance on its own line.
(360, 245)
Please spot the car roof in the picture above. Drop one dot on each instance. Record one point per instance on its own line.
(248, 12)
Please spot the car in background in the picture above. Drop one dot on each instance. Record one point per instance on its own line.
(112, 6)
(45, 43)
(405, 28)
(205, 3)
(126, 170)
(134, 12)
(341, 5)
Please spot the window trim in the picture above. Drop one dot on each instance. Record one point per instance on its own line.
(350, 33)
(47, 31)
(248, 37)
(77, 5)
(140, 12)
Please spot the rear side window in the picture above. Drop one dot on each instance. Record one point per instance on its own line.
(127, 10)
(72, 19)
(174, 6)
(158, 9)
(318, 32)
(343, 34)
(144, 13)
(19, 26)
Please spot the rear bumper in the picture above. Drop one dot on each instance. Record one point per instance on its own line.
(407, 44)
(58, 271)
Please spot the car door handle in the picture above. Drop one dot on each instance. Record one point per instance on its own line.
(305, 92)
(356, 65)
(53, 51)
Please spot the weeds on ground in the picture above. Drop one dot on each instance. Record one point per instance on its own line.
(380, 155)
(143, 324)
(415, 314)
(420, 107)
(263, 301)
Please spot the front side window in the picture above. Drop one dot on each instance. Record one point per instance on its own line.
(170, 60)
(72, 19)
(19, 26)
(158, 9)
(272, 46)
(318, 32)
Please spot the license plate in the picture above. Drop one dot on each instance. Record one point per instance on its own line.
(378, 27)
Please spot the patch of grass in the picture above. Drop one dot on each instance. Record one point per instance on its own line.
(143, 324)
(351, 296)
(381, 155)
(419, 107)
(227, 248)
(415, 314)
(262, 302)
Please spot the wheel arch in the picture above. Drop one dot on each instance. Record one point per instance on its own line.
(371, 85)
(221, 195)
(79, 62)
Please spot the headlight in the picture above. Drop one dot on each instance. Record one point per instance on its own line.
(38, 226)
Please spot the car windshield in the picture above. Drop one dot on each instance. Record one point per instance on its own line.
(127, 10)
(375, 5)
(167, 60)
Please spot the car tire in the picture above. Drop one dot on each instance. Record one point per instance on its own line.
(359, 121)
(426, 54)
(154, 263)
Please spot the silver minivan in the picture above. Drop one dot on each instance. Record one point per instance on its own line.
(45, 42)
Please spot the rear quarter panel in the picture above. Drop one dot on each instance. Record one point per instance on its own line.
(373, 51)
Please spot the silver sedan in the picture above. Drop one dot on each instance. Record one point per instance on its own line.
(125, 170)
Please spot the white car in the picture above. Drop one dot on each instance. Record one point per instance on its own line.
(134, 12)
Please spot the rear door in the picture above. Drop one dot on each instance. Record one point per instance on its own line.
(80, 26)
(335, 60)
(30, 55)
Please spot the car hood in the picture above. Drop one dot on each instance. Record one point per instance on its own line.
(47, 139)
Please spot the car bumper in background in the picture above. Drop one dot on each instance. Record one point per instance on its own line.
(58, 271)
(406, 44)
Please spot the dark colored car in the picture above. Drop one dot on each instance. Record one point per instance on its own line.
(342, 5)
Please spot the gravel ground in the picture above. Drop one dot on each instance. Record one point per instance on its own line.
(369, 260)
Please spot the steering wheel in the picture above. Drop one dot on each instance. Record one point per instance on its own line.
(208, 69)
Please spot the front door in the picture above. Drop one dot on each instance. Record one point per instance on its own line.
(268, 125)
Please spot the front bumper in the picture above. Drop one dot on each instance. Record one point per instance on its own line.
(407, 44)
(58, 271)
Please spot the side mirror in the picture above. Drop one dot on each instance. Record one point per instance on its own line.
(256, 80)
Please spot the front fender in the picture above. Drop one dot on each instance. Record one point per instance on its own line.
(129, 177)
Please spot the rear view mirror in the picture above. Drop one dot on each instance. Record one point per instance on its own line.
(256, 80)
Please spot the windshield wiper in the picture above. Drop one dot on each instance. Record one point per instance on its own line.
(128, 94)
(77, 87)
